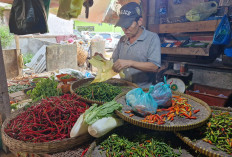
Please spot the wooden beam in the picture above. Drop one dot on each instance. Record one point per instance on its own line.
(200, 26)
(19, 56)
(185, 51)
(7, 1)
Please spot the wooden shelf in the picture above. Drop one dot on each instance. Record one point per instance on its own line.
(185, 51)
(200, 26)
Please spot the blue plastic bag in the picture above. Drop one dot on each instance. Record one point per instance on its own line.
(141, 102)
(162, 94)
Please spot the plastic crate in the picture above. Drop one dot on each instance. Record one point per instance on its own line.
(208, 94)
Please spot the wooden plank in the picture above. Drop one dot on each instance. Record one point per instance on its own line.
(144, 12)
(200, 26)
(10, 63)
(7, 1)
(185, 51)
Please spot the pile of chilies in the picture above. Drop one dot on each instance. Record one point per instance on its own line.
(52, 119)
(180, 107)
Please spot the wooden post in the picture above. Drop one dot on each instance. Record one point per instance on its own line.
(4, 96)
(18, 51)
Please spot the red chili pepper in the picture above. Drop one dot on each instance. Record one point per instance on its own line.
(50, 120)
(195, 111)
(83, 153)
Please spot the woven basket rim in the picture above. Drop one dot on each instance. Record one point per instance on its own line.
(163, 127)
(47, 147)
(80, 82)
(202, 150)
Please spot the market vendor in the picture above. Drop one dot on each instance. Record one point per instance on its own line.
(138, 52)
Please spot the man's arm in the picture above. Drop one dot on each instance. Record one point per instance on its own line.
(143, 66)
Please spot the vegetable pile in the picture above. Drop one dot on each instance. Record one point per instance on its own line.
(95, 113)
(52, 119)
(16, 88)
(66, 77)
(180, 107)
(219, 131)
(118, 146)
(46, 87)
(99, 91)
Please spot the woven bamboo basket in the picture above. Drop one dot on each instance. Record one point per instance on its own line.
(132, 131)
(81, 55)
(203, 147)
(118, 82)
(43, 147)
(178, 124)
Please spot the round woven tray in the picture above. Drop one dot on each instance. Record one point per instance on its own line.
(43, 147)
(201, 146)
(117, 82)
(167, 137)
(178, 124)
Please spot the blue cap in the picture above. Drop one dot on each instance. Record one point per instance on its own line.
(128, 14)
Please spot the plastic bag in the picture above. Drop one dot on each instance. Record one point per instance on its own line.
(162, 94)
(222, 35)
(141, 102)
(28, 17)
(104, 67)
(69, 9)
(202, 11)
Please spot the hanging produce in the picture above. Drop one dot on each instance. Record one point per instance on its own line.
(52, 119)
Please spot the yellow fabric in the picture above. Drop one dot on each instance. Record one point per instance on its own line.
(202, 11)
(105, 71)
(69, 9)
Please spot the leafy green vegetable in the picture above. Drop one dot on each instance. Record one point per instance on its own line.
(99, 91)
(14, 106)
(16, 88)
(44, 88)
(66, 77)
(106, 110)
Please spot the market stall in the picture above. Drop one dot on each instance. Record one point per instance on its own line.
(71, 113)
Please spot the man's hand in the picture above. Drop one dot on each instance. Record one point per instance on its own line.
(121, 64)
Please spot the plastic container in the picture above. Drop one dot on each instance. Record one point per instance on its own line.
(211, 95)
(228, 52)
